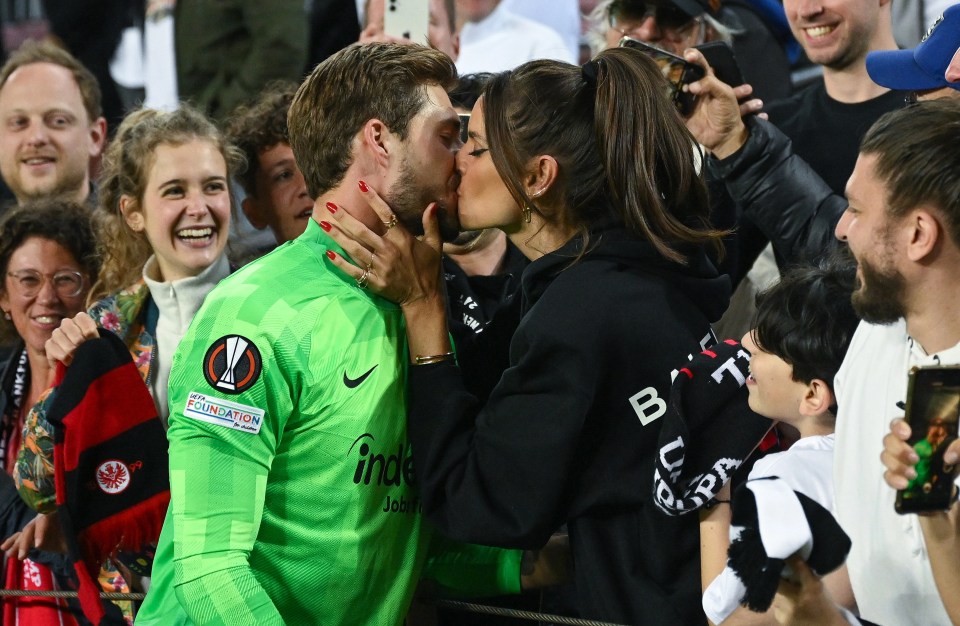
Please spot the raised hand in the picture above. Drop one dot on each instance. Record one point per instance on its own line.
(716, 121)
(65, 340)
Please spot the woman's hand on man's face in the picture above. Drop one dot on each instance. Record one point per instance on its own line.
(395, 265)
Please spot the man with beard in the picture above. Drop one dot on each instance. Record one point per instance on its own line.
(292, 496)
(903, 228)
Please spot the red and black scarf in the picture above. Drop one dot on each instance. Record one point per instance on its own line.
(110, 460)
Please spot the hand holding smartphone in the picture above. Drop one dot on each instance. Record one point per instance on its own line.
(677, 70)
(720, 57)
(933, 409)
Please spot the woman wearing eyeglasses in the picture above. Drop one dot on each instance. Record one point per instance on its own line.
(163, 222)
(48, 259)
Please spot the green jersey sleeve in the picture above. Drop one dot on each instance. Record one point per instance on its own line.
(467, 570)
(224, 429)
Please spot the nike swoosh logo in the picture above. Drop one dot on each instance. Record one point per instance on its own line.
(352, 383)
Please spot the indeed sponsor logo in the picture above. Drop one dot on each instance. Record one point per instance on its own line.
(374, 467)
(223, 412)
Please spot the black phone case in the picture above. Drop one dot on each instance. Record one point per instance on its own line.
(933, 408)
(691, 73)
(722, 59)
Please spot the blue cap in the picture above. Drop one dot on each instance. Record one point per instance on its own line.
(923, 67)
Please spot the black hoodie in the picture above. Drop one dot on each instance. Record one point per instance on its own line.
(569, 432)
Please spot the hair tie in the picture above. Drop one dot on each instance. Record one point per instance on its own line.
(589, 72)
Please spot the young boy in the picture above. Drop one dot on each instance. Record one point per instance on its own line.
(803, 327)
(277, 194)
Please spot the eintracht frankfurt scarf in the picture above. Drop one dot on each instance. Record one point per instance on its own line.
(708, 429)
(110, 460)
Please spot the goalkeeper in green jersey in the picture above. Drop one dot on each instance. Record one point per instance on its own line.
(292, 495)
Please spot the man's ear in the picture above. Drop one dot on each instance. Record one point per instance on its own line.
(925, 232)
(541, 174)
(377, 142)
(817, 399)
(98, 136)
(252, 209)
(131, 213)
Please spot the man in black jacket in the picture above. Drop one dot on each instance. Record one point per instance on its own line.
(781, 192)
(788, 176)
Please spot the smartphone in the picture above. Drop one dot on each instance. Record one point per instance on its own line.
(464, 123)
(676, 70)
(721, 58)
(408, 19)
(933, 408)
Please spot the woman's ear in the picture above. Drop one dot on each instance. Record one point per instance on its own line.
(542, 172)
(818, 398)
(132, 215)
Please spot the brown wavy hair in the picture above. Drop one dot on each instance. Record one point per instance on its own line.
(126, 166)
(622, 149)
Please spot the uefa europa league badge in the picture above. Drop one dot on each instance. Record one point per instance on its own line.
(232, 364)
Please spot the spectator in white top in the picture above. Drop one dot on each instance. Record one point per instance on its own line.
(562, 16)
(902, 227)
(493, 39)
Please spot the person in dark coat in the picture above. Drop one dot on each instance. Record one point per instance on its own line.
(554, 417)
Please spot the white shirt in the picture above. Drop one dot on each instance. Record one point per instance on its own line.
(503, 40)
(177, 301)
(563, 16)
(806, 467)
(888, 563)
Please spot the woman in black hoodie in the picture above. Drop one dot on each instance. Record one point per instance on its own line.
(591, 173)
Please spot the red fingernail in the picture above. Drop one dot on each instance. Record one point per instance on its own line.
(331, 255)
(325, 226)
(363, 186)
(332, 207)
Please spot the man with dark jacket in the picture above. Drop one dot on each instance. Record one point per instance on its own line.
(788, 176)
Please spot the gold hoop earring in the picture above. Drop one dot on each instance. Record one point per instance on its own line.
(527, 213)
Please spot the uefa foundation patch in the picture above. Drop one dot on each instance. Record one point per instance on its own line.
(224, 413)
(232, 364)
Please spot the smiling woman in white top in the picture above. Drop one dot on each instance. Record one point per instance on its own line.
(163, 220)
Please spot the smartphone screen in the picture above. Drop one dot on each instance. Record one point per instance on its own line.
(408, 19)
(676, 70)
(933, 407)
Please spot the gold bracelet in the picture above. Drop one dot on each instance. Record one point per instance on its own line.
(433, 358)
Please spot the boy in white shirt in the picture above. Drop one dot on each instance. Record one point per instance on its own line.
(803, 327)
